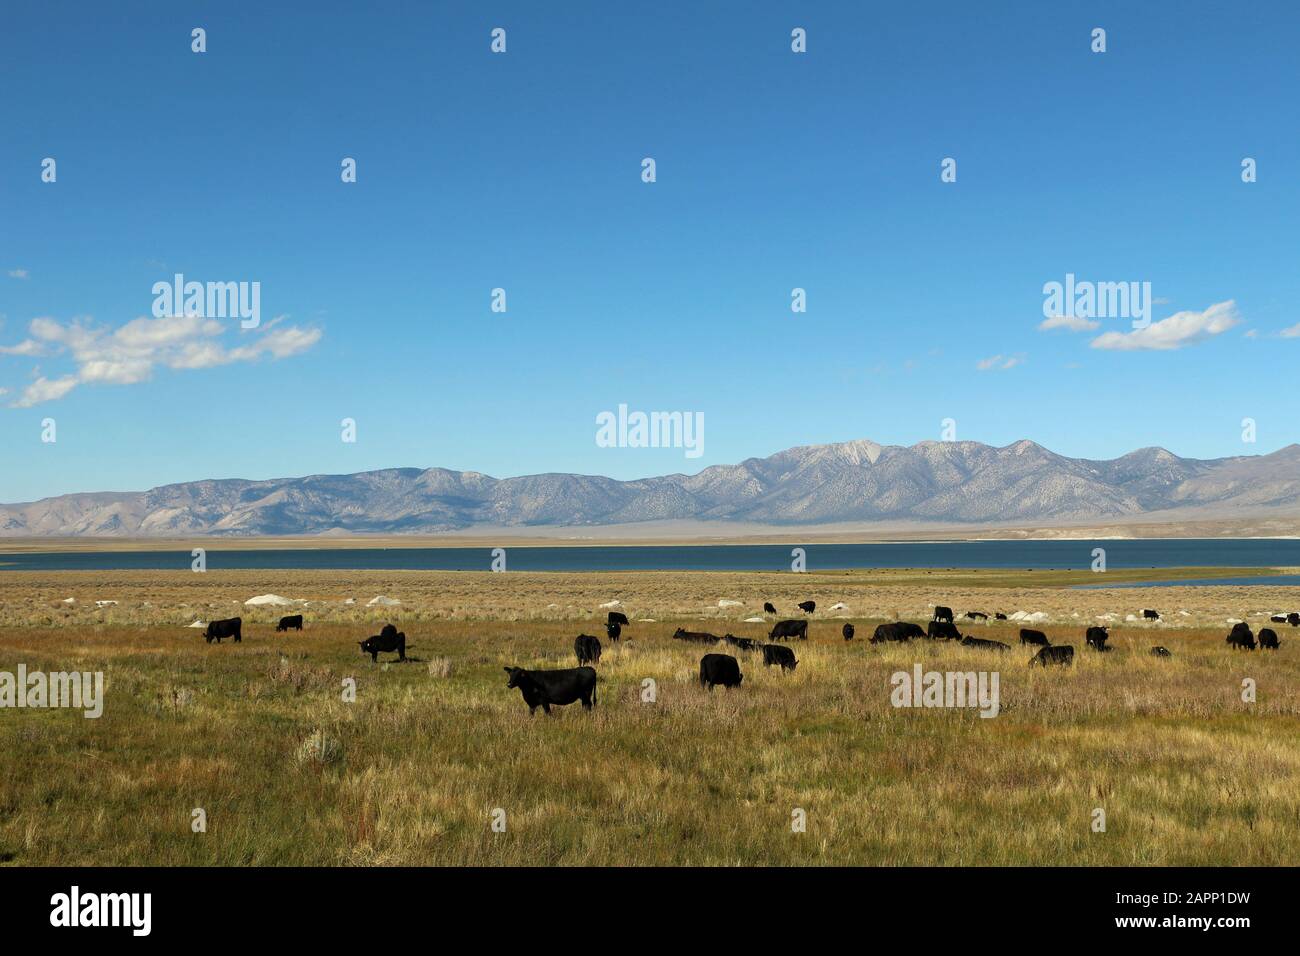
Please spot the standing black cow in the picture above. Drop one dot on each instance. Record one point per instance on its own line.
(788, 629)
(695, 637)
(1278, 619)
(744, 643)
(587, 649)
(847, 631)
(1241, 636)
(293, 621)
(386, 642)
(217, 630)
(779, 654)
(720, 669)
(1293, 619)
(1062, 654)
(1150, 615)
(976, 616)
(1268, 638)
(617, 617)
(1029, 636)
(613, 629)
(944, 630)
(807, 606)
(942, 613)
(769, 607)
(558, 687)
(1096, 638)
(897, 631)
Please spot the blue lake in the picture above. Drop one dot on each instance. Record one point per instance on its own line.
(1026, 555)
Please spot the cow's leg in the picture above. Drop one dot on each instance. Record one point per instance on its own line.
(546, 706)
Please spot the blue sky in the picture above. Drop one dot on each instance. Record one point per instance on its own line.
(522, 171)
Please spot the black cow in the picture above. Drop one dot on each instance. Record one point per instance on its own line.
(1029, 636)
(847, 631)
(1150, 615)
(897, 631)
(1062, 654)
(613, 629)
(1241, 636)
(788, 629)
(768, 607)
(386, 641)
(617, 617)
(1158, 651)
(1000, 616)
(807, 606)
(942, 613)
(779, 654)
(1268, 638)
(1293, 619)
(720, 669)
(558, 687)
(217, 630)
(986, 645)
(1096, 638)
(976, 616)
(587, 649)
(695, 637)
(944, 630)
(1278, 619)
(291, 621)
(744, 643)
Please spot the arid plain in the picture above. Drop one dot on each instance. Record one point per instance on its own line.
(259, 737)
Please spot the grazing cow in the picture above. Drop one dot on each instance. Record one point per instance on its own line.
(807, 606)
(945, 630)
(1278, 619)
(617, 617)
(613, 629)
(1241, 636)
(1293, 619)
(587, 649)
(720, 669)
(942, 613)
(744, 643)
(1062, 654)
(779, 654)
(788, 629)
(217, 630)
(976, 616)
(1029, 636)
(1159, 651)
(291, 621)
(385, 641)
(897, 631)
(558, 687)
(1268, 638)
(1000, 616)
(695, 637)
(769, 607)
(986, 645)
(847, 631)
(1150, 615)
(1096, 638)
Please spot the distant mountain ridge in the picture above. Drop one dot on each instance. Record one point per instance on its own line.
(856, 481)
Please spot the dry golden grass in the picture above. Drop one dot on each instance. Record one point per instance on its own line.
(258, 735)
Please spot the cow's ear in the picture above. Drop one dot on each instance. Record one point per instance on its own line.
(508, 670)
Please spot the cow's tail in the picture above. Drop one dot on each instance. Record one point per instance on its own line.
(594, 685)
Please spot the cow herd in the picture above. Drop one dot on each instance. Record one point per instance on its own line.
(544, 688)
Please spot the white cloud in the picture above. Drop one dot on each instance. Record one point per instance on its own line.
(1075, 323)
(1292, 333)
(1179, 330)
(128, 354)
(18, 273)
(999, 362)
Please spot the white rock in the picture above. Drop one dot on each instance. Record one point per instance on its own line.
(350, 601)
(615, 603)
(104, 603)
(1235, 620)
(755, 620)
(723, 602)
(197, 624)
(69, 600)
(263, 599)
(839, 606)
(645, 620)
(382, 601)
(1130, 617)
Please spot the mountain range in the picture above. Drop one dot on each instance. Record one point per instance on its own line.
(951, 483)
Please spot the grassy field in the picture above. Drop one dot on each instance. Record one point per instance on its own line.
(259, 737)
